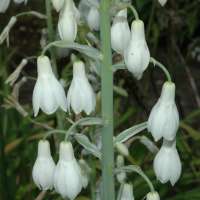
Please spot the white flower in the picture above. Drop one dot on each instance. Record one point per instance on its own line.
(20, 1)
(127, 192)
(93, 18)
(153, 196)
(43, 169)
(120, 32)
(162, 2)
(167, 164)
(58, 4)
(81, 96)
(48, 93)
(137, 55)
(67, 176)
(4, 5)
(67, 24)
(164, 117)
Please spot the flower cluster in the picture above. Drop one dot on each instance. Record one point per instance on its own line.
(66, 177)
(49, 93)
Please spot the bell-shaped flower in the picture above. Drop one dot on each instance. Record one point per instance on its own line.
(58, 4)
(93, 18)
(4, 5)
(164, 117)
(120, 32)
(137, 55)
(67, 176)
(81, 96)
(127, 192)
(153, 196)
(48, 93)
(162, 2)
(67, 24)
(43, 169)
(167, 164)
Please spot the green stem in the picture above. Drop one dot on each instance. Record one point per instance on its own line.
(108, 192)
(164, 69)
(135, 13)
(51, 32)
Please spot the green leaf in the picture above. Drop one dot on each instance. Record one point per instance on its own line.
(128, 133)
(90, 147)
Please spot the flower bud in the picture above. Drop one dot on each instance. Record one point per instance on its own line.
(121, 177)
(43, 169)
(137, 55)
(162, 2)
(67, 176)
(81, 96)
(58, 4)
(67, 24)
(167, 164)
(164, 117)
(122, 149)
(85, 172)
(93, 19)
(4, 5)
(120, 32)
(48, 93)
(153, 196)
(127, 192)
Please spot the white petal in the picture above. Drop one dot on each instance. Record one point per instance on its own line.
(4, 5)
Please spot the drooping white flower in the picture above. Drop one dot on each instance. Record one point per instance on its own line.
(162, 2)
(153, 196)
(43, 169)
(137, 55)
(120, 32)
(67, 176)
(67, 24)
(4, 5)
(48, 93)
(58, 4)
(164, 117)
(93, 18)
(20, 1)
(81, 96)
(127, 192)
(167, 164)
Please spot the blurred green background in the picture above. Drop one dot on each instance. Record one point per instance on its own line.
(173, 36)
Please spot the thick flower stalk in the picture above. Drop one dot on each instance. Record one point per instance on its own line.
(137, 55)
(81, 96)
(164, 117)
(48, 93)
(43, 169)
(67, 176)
(67, 24)
(167, 164)
(120, 32)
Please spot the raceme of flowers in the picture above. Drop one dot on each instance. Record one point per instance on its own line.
(49, 95)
